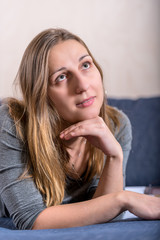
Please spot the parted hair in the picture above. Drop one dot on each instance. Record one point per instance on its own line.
(38, 123)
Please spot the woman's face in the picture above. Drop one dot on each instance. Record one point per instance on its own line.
(75, 84)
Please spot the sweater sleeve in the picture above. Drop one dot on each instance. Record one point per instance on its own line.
(123, 134)
(19, 197)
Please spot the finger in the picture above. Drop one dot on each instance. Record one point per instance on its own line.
(88, 121)
(83, 128)
(74, 132)
(67, 131)
(72, 127)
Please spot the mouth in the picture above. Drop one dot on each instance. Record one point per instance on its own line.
(86, 102)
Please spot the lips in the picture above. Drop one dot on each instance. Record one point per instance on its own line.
(86, 102)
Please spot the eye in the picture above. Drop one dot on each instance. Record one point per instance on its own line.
(61, 78)
(86, 65)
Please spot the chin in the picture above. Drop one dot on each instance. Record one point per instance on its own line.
(89, 115)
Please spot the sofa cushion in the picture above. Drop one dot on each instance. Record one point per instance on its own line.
(124, 230)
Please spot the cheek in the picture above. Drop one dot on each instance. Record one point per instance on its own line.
(54, 97)
(60, 101)
(98, 77)
(99, 84)
(100, 89)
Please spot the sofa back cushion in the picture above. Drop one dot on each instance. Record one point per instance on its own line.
(144, 161)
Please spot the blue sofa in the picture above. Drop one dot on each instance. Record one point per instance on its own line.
(143, 169)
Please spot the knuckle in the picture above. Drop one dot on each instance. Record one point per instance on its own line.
(101, 119)
(81, 127)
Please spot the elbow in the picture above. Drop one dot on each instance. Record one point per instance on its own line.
(43, 221)
(37, 225)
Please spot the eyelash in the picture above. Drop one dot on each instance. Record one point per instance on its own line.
(62, 74)
(66, 75)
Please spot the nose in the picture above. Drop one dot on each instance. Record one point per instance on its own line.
(81, 83)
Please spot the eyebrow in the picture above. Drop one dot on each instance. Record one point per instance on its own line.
(64, 68)
(81, 58)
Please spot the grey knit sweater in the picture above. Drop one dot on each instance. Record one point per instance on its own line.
(20, 199)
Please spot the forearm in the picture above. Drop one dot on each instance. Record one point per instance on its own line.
(111, 179)
(94, 211)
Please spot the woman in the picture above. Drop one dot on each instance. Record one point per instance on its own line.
(53, 142)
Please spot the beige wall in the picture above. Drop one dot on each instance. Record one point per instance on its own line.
(123, 35)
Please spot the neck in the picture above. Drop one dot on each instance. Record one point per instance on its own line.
(74, 143)
(78, 156)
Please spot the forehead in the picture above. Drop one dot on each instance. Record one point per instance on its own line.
(67, 50)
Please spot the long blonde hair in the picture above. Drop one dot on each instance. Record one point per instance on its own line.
(38, 124)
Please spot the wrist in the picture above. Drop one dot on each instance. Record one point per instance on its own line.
(118, 154)
(118, 157)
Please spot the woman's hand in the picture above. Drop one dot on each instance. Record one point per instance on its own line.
(142, 205)
(97, 133)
